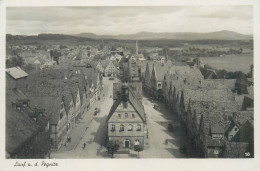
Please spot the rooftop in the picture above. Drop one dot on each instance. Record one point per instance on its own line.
(16, 72)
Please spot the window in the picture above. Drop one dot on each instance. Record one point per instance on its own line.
(113, 128)
(138, 127)
(159, 85)
(121, 128)
(126, 115)
(133, 115)
(60, 115)
(235, 129)
(130, 127)
(119, 115)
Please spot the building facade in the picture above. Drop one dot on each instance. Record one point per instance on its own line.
(126, 121)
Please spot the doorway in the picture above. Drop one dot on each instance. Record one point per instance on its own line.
(127, 143)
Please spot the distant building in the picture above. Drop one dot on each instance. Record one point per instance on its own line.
(111, 69)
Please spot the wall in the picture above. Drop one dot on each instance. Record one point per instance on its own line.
(120, 141)
(117, 121)
(232, 132)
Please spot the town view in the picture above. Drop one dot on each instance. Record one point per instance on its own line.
(89, 85)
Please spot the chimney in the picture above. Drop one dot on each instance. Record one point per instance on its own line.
(125, 92)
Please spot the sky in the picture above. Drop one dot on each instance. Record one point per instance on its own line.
(128, 20)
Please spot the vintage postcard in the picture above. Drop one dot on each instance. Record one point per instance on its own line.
(122, 83)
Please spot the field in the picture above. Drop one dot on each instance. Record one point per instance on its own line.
(233, 63)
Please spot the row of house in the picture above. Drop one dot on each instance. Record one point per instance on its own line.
(207, 107)
(64, 94)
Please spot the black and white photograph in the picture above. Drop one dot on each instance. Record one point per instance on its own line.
(129, 82)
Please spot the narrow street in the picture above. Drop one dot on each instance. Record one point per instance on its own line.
(90, 129)
(157, 123)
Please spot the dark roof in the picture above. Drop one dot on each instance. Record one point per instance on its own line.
(235, 149)
(245, 133)
(218, 83)
(51, 105)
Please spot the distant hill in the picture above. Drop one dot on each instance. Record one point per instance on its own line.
(219, 35)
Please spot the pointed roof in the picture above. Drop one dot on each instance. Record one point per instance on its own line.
(135, 103)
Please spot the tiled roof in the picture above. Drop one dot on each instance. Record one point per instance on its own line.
(16, 72)
(218, 83)
(204, 107)
(19, 128)
(51, 105)
(241, 117)
(161, 70)
(183, 77)
(218, 120)
(223, 95)
(137, 105)
(48, 91)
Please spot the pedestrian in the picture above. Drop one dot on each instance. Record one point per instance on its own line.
(84, 145)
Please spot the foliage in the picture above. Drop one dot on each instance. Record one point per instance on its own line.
(15, 61)
(112, 148)
(138, 148)
(55, 55)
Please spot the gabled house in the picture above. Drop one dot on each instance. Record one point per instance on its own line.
(110, 69)
(126, 121)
